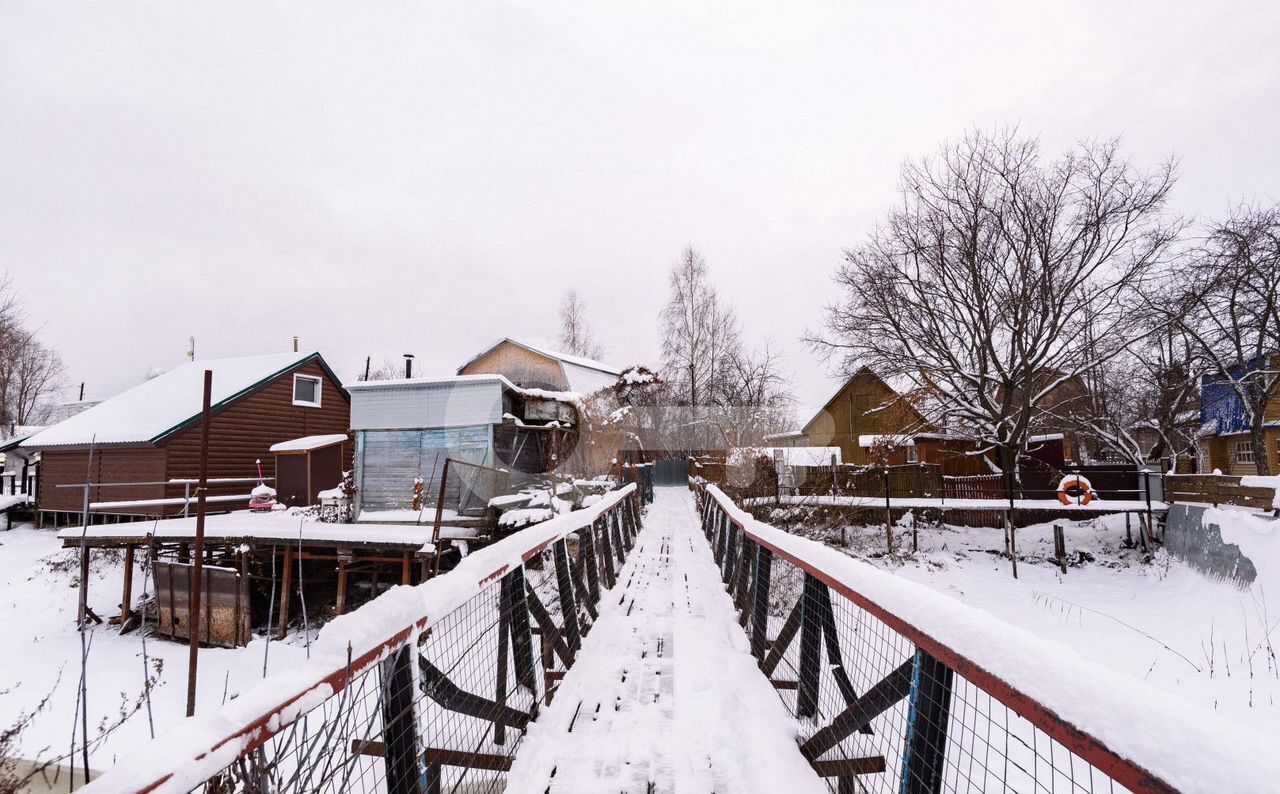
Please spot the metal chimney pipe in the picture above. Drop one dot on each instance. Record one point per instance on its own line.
(408, 365)
(295, 344)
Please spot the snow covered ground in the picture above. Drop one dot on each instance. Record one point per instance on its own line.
(40, 653)
(1158, 620)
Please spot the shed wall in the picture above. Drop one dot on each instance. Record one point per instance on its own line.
(406, 407)
(389, 460)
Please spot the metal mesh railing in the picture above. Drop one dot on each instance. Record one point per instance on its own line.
(882, 706)
(439, 706)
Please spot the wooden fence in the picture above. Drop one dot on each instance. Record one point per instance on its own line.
(1217, 489)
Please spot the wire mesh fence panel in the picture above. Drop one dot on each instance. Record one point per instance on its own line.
(882, 707)
(442, 704)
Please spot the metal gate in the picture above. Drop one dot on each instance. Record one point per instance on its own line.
(671, 471)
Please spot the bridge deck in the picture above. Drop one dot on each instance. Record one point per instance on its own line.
(665, 695)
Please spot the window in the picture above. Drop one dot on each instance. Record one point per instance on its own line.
(306, 391)
(1244, 452)
(913, 454)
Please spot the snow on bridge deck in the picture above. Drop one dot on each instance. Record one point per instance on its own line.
(666, 695)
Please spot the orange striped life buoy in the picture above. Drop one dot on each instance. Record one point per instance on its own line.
(1075, 490)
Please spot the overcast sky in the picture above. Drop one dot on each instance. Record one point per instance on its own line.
(426, 177)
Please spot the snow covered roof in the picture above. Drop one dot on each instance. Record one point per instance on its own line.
(308, 443)
(427, 382)
(788, 456)
(788, 434)
(1045, 437)
(155, 408)
(868, 441)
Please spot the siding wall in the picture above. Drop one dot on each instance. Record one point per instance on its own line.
(137, 464)
(389, 460)
(408, 407)
(1222, 454)
(245, 430)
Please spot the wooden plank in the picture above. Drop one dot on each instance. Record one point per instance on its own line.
(849, 767)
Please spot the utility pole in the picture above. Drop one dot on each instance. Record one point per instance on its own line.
(197, 567)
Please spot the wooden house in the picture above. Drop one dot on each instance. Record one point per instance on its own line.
(869, 420)
(533, 366)
(146, 441)
(1226, 439)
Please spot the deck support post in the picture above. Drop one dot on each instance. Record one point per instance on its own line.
(126, 597)
(342, 584)
(285, 584)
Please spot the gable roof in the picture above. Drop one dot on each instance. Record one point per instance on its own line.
(894, 384)
(159, 407)
(584, 375)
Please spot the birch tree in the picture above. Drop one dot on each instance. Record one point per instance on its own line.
(701, 334)
(981, 285)
(576, 337)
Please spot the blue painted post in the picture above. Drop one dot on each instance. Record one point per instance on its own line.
(929, 709)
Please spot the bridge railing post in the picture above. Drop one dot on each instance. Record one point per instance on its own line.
(568, 602)
(760, 602)
(929, 709)
(606, 552)
(400, 727)
(810, 648)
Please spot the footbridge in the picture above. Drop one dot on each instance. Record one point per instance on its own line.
(683, 646)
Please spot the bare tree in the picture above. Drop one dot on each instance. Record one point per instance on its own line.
(700, 334)
(756, 397)
(391, 368)
(575, 333)
(30, 372)
(1225, 297)
(982, 286)
(1143, 404)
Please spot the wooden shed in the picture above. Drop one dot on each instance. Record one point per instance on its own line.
(146, 441)
(308, 465)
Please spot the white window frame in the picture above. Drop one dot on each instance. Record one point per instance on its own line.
(913, 453)
(1244, 452)
(306, 403)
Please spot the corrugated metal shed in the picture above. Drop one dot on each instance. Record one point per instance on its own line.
(461, 401)
(390, 460)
